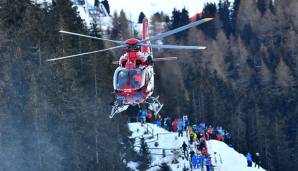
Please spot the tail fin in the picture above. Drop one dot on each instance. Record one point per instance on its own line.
(145, 35)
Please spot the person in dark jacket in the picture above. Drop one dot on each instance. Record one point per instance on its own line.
(191, 153)
(184, 147)
(169, 124)
(257, 160)
(249, 160)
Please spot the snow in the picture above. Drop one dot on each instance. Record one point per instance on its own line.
(228, 158)
(84, 14)
(132, 165)
(225, 159)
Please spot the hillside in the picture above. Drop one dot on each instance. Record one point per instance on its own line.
(224, 158)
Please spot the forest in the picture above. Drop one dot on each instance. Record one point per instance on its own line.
(54, 115)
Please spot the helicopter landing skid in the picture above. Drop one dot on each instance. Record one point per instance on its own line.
(154, 104)
(117, 107)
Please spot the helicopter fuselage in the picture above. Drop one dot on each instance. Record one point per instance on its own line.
(134, 78)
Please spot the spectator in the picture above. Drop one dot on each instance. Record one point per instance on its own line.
(196, 129)
(200, 135)
(202, 126)
(208, 163)
(175, 125)
(219, 137)
(194, 137)
(210, 131)
(201, 160)
(220, 131)
(165, 123)
(202, 144)
(169, 124)
(204, 151)
(158, 123)
(227, 138)
(184, 147)
(180, 128)
(194, 161)
(149, 116)
(197, 144)
(191, 153)
(257, 160)
(142, 116)
(213, 135)
(249, 160)
(191, 137)
(185, 122)
(207, 136)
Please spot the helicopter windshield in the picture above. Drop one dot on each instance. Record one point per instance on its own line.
(129, 79)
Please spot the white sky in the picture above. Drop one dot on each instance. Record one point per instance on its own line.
(132, 8)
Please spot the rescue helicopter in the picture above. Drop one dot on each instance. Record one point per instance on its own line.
(133, 79)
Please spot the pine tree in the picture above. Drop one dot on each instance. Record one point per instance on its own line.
(96, 3)
(224, 16)
(262, 6)
(234, 14)
(144, 154)
(180, 19)
(106, 5)
(209, 29)
(284, 77)
(141, 17)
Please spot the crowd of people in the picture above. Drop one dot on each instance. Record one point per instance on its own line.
(198, 134)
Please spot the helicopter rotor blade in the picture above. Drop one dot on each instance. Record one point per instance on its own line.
(174, 47)
(86, 53)
(165, 59)
(168, 33)
(91, 37)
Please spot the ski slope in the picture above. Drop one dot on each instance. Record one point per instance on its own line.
(225, 159)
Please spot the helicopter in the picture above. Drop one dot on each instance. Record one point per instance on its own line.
(133, 80)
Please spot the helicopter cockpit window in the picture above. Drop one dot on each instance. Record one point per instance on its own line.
(129, 79)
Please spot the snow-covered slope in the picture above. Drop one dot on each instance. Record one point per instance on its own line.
(84, 11)
(225, 159)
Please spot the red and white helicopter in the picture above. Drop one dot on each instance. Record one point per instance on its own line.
(133, 80)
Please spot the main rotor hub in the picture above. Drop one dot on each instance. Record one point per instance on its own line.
(132, 44)
(132, 41)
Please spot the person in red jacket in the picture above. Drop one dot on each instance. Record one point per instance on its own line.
(175, 125)
(149, 116)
